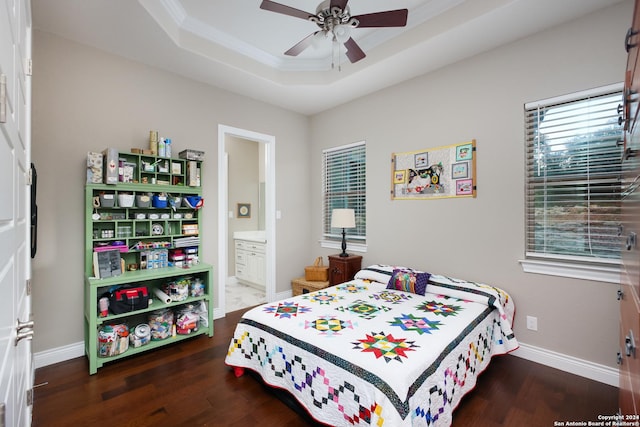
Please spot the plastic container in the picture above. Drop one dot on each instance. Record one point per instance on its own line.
(196, 288)
(175, 201)
(124, 231)
(113, 340)
(178, 290)
(167, 147)
(187, 320)
(193, 202)
(161, 148)
(159, 201)
(141, 335)
(161, 324)
(125, 200)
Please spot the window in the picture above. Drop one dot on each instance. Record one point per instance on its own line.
(344, 186)
(572, 198)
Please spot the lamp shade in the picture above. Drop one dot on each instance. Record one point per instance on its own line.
(343, 218)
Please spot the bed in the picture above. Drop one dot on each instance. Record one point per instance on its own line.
(393, 347)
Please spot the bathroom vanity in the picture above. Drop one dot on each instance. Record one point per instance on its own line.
(251, 257)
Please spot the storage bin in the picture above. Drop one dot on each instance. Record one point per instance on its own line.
(161, 324)
(187, 320)
(175, 201)
(196, 288)
(107, 200)
(193, 202)
(177, 290)
(191, 155)
(159, 201)
(125, 231)
(317, 271)
(148, 166)
(140, 335)
(143, 201)
(302, 286)
(125, 200)
(113, 340)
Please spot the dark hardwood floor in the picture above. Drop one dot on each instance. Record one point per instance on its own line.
(188, 384)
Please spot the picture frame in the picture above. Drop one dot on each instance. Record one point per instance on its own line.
(244, 210)
(464, 152)
(464, 187)
(460, 170)
(447, 171)
(421, 160)
(400, 177)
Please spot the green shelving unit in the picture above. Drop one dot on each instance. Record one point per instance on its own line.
(124, 217)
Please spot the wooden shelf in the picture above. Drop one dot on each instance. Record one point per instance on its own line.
(109, 224)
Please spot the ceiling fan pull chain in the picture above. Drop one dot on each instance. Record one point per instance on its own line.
(335, 54)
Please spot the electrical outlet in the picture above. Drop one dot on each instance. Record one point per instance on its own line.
(532, 323)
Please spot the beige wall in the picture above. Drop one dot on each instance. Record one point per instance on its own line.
(87, 100)
(482, 239)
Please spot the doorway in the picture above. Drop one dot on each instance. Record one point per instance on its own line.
(227, 135)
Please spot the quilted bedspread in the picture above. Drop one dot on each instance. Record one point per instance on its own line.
(361, 354)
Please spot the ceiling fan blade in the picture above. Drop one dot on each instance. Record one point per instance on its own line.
(339, 3)
(301, 45)
(390, 18)
(285, 10)
(354, 53)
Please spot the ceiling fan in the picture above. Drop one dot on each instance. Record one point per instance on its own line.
(334, 19)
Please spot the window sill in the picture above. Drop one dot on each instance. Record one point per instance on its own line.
(598, 273)
(351, 247)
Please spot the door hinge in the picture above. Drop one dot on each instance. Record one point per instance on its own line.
(28, 66)
(30, 177)
(3, 421)
(3, 98)
(29, 397)
(29, 287)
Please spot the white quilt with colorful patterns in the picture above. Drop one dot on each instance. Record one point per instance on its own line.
(360, 354)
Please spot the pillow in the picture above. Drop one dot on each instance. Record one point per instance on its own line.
(408, 280)
(376, 273)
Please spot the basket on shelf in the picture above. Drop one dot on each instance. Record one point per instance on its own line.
(317, 272)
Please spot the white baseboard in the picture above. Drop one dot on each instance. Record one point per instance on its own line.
(284, 295)
(573, 365)
(58, 354)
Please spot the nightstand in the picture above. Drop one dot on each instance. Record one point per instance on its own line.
(342, 269)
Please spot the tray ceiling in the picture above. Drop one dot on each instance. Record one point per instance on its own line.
(237, 46)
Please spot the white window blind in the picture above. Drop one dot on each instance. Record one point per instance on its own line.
(573, 168)
(344, 186)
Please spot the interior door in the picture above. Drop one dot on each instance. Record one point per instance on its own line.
(16, 366)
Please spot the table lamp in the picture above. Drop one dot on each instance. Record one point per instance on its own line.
(343, 218)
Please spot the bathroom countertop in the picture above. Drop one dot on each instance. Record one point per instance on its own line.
(252, 236)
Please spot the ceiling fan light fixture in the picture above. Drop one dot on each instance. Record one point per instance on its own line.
(333, 17)
(342, 32)
(318, 39)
